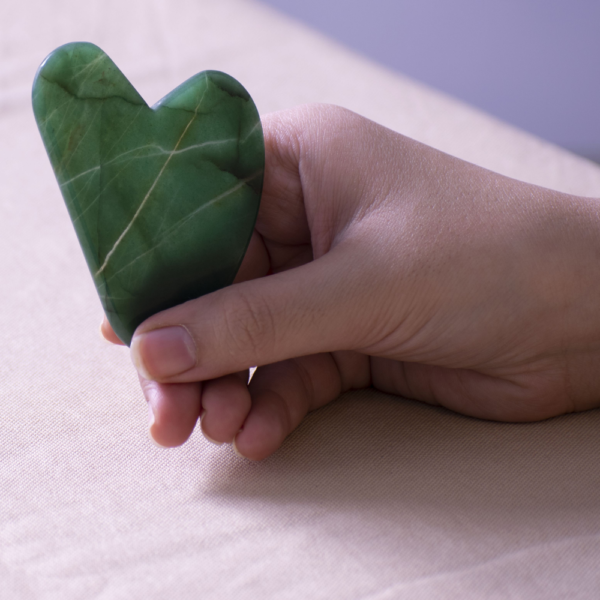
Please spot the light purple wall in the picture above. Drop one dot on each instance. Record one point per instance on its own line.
(533, 63)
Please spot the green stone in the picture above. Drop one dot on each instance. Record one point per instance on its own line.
(163, 199)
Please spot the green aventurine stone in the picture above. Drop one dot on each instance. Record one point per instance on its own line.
(163, 199)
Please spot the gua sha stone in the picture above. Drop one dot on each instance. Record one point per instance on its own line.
(163, 199)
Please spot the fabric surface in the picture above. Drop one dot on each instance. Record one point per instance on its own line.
(374, 496)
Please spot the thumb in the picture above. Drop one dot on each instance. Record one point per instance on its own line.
(298, 312)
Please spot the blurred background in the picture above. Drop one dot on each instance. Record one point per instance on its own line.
(532, 63)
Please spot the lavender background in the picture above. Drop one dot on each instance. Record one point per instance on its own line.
(533, 63)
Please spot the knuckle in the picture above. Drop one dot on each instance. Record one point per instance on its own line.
(249, 323)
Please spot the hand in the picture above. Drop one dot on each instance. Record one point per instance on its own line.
(394, 266)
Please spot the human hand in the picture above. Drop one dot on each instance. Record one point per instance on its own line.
(394, 266)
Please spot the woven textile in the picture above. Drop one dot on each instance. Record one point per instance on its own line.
(374, 496)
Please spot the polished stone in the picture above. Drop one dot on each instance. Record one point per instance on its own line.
(163, 199)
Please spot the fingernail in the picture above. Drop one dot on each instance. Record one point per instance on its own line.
(163, 352)
(209, 439)
(101, 334)
(150, 424)
(235, 449)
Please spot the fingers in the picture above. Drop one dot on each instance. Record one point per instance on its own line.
(259, 418)
(299, 312)
(106, 331)
(256, 419)
(174, 410)
(225, 405)
(282, 395)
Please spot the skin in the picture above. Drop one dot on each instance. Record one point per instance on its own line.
(393, 265)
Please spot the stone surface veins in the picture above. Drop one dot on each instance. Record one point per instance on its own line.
(163, 199)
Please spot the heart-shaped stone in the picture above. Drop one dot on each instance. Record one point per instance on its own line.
(163, 199)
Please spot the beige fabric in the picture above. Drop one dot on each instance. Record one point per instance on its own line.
(373, 497)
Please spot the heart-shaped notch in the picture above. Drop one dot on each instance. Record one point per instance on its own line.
(163, 199)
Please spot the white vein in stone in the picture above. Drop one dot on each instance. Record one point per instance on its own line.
(72, 99)
(89, 65)
(161, 152)
(176, 226)
(44, 121)
(87, 172)
(64, 117)
(256, 126)
(149, 193)
(118, 174)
